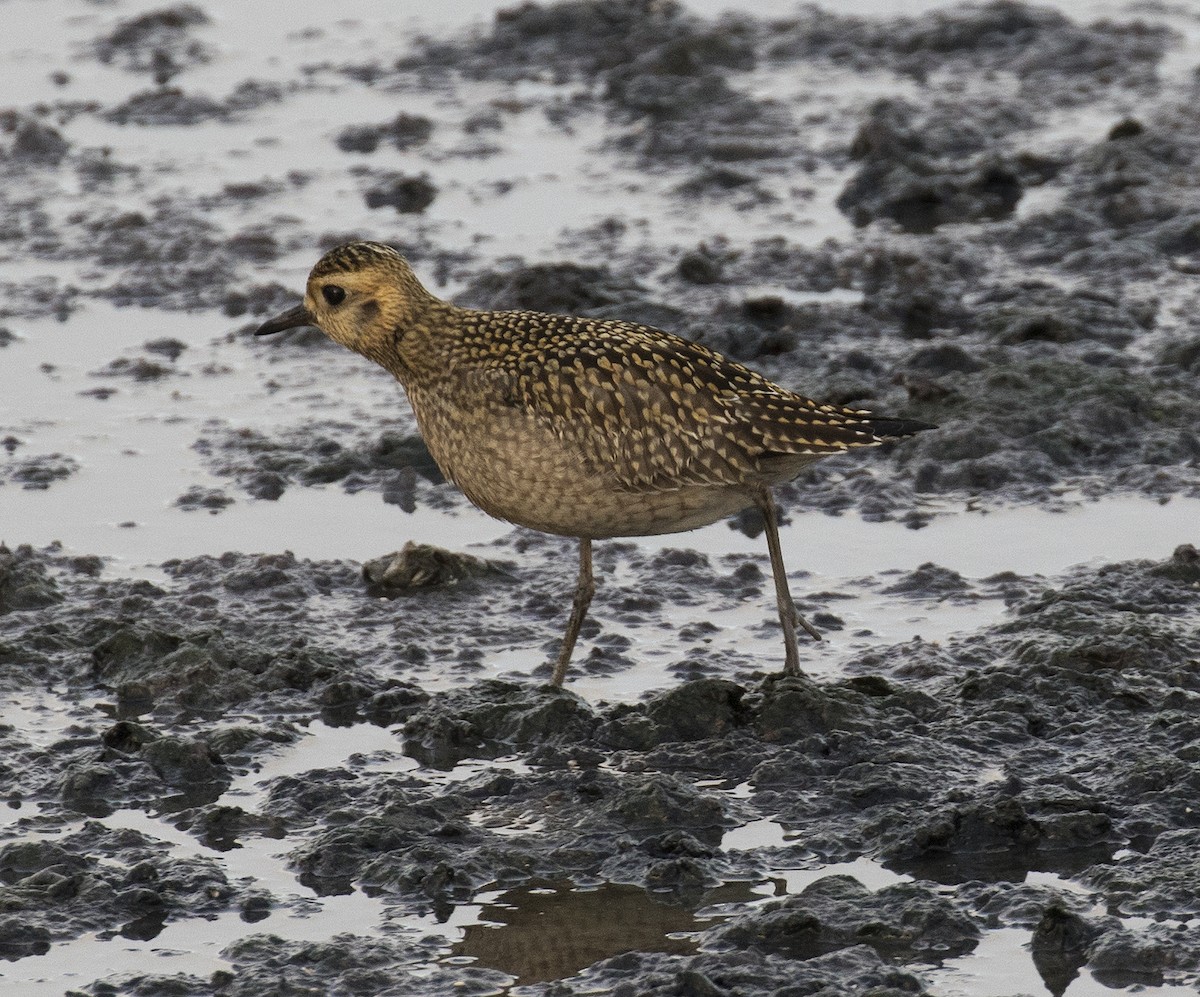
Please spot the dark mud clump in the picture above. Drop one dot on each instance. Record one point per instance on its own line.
(37, 471)
(158, 43)
(135, 765)
(670, 75)
(197, 497)
(166, 346)
(394, 462)
(490, 718)
(114, 882)
(25, 139)
(1048, 53)
(137, 368)
(838, 912)
(25, 582)
(560, 288)
(166, 106)
(1095, 418)
(1122, 215)
(405, 131)
(407, 194)
(168, 257)
(902, 179)
(848, 971)
(581, 37)
(403, 962)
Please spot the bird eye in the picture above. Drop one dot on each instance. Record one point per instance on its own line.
(333, 294)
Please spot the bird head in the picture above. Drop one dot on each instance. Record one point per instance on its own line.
(360, 294)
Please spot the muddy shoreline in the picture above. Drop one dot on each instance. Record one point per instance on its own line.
(284, 776)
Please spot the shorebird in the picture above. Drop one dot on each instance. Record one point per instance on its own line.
(582, 427)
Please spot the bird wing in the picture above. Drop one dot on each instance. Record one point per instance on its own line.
(658, 411)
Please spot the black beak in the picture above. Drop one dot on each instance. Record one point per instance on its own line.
(293, 318)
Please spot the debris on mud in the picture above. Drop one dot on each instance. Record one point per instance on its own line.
(420, 565)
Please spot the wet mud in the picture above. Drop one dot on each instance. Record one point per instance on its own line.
(1060, 741)
(980, 216)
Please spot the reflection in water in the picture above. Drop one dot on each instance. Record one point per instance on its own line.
(1001, 865)
(549, 931)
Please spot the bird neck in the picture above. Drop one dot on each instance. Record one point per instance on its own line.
(421, 349)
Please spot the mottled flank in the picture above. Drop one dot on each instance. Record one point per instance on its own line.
(582, 427)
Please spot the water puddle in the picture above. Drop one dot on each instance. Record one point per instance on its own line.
(549, 931)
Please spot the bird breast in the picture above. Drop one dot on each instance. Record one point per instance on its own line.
(515, 467)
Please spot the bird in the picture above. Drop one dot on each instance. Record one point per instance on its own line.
(582, 427)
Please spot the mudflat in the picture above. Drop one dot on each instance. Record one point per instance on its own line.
(253, 743)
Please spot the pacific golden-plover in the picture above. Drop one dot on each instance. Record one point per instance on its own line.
(582, 427)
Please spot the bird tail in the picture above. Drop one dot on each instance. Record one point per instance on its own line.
(896, 429)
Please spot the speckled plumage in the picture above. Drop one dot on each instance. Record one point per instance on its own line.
(583, 427)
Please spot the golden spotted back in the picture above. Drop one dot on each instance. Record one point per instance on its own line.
(659, 410)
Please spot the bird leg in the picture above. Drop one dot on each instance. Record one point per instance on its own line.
(789, 616)
(585, 588)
